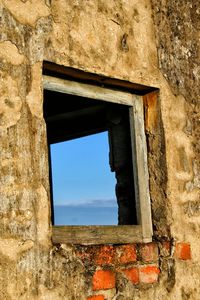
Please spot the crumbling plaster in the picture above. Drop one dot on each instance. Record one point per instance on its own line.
(156, 44)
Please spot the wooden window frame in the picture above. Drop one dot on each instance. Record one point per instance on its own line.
(114, 234)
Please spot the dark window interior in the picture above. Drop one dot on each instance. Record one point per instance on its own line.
(69, 117)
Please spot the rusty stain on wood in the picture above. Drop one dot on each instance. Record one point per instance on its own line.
(151, 111)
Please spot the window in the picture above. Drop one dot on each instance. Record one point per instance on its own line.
(83, 184)
(74, 109)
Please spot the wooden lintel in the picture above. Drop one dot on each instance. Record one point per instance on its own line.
(86, 90)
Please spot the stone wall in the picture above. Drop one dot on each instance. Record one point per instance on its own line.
(155, 43)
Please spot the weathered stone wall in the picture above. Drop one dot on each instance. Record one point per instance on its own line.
(177, 25)
(155, 43)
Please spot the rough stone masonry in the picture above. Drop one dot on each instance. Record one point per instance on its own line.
(150, 42)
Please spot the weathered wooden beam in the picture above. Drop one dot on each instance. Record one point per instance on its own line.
(95, 235)
(86, 90)
(140, 166)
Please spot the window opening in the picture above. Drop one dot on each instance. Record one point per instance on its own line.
(75, 109)
(69, 117)
(83, 185)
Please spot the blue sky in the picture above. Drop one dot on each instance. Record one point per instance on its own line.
(81, 172)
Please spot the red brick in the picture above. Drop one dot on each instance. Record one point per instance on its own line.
(96, 297)
(183, 251)
(132, 274)
(149, 252)
(126, 254)
(103, 280)
(148, 274)
(104, 255)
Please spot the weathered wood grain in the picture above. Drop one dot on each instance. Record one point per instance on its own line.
(87, 235)
(141, 175)
(86, 90)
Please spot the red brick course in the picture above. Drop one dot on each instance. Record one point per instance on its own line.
(183, 251)
(138, 262)
(103, 280)
(126, 254)
(132, 274)
(104, 255)
(148, 252)
(148, 274)
(96, 297)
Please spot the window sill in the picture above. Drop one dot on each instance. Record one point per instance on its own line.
(96, 235)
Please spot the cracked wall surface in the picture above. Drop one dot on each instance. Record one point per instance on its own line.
(154, 43)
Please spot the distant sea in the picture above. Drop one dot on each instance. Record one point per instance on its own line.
(85, 215)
